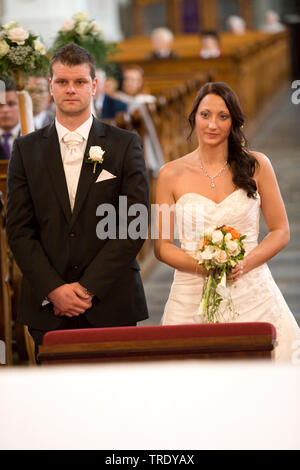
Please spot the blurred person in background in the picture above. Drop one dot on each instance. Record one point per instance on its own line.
(114, 81)
(43, 113)
(162, 43)
(236, 25)
(133, 86)
(9, 120)
(272, 22)
(106, 106)
(210, 45)
(132, 94)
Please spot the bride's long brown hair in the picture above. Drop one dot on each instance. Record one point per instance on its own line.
(242, 163)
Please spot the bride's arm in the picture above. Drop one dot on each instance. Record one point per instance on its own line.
(164, 247)
(275, 216)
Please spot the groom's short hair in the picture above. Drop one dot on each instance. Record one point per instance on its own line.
(71, 54)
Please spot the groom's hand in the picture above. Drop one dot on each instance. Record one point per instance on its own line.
(70, 300)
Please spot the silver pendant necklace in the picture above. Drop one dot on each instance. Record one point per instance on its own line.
(212, 183)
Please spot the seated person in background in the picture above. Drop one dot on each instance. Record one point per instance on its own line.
(106, 106)
(210, 47)
(113, 84)
(9, 120)
(272, 22)
(132, 87)
(236, 25)
(38, 89)
(162, 42)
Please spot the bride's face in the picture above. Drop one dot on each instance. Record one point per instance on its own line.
(213, 120)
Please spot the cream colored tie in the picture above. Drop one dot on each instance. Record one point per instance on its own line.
(72, 162)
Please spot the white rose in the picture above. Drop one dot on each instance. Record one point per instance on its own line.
(39, 46)
(233, 247)
(82, 27)
(208, 253)
(228, 237)
(18, 35)
(81, 16)
(95, 27)
(10, 25)
(217, 237)
(96, 153)
(220, 256)
(4, 48)
(67, 26)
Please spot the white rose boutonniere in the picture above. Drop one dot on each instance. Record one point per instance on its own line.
(95, 156)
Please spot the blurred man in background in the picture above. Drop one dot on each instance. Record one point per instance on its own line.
(106, 107)
(162, 42)
(9, 121)
(38, 89)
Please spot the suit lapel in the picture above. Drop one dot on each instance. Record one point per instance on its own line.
(87, 177)
(56, 169)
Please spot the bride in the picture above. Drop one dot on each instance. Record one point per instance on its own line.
(226, 184)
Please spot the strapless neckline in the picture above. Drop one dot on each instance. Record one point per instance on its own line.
(211, 200)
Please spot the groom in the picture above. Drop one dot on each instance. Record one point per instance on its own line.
(72, 278)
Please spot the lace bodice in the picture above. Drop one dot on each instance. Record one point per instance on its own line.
(196, 214)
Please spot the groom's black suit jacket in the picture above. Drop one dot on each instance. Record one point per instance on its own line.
(54, 246)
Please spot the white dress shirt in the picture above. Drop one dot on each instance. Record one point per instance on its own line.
(73, 172)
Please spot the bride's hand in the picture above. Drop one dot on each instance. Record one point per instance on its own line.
(200, 270)
(238, 271)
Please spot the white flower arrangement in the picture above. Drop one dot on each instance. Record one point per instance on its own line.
(86, 33)
(21, 51)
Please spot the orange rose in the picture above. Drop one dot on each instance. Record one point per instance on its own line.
(234, 233)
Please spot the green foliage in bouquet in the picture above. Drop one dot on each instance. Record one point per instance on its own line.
(21, 51)
(86, 33)
(219, 252)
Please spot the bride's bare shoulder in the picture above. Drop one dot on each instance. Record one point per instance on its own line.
(174, 168)
(261, 158)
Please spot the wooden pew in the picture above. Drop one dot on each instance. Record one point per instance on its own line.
(3, 178)
(243, 63)
(6, 290)
(160, 342)
(15, 335)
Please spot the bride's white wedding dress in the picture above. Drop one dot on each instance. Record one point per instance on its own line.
(256, 296)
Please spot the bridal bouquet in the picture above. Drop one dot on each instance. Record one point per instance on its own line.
(219, 251)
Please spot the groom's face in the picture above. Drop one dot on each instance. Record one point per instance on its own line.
(72, 88)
